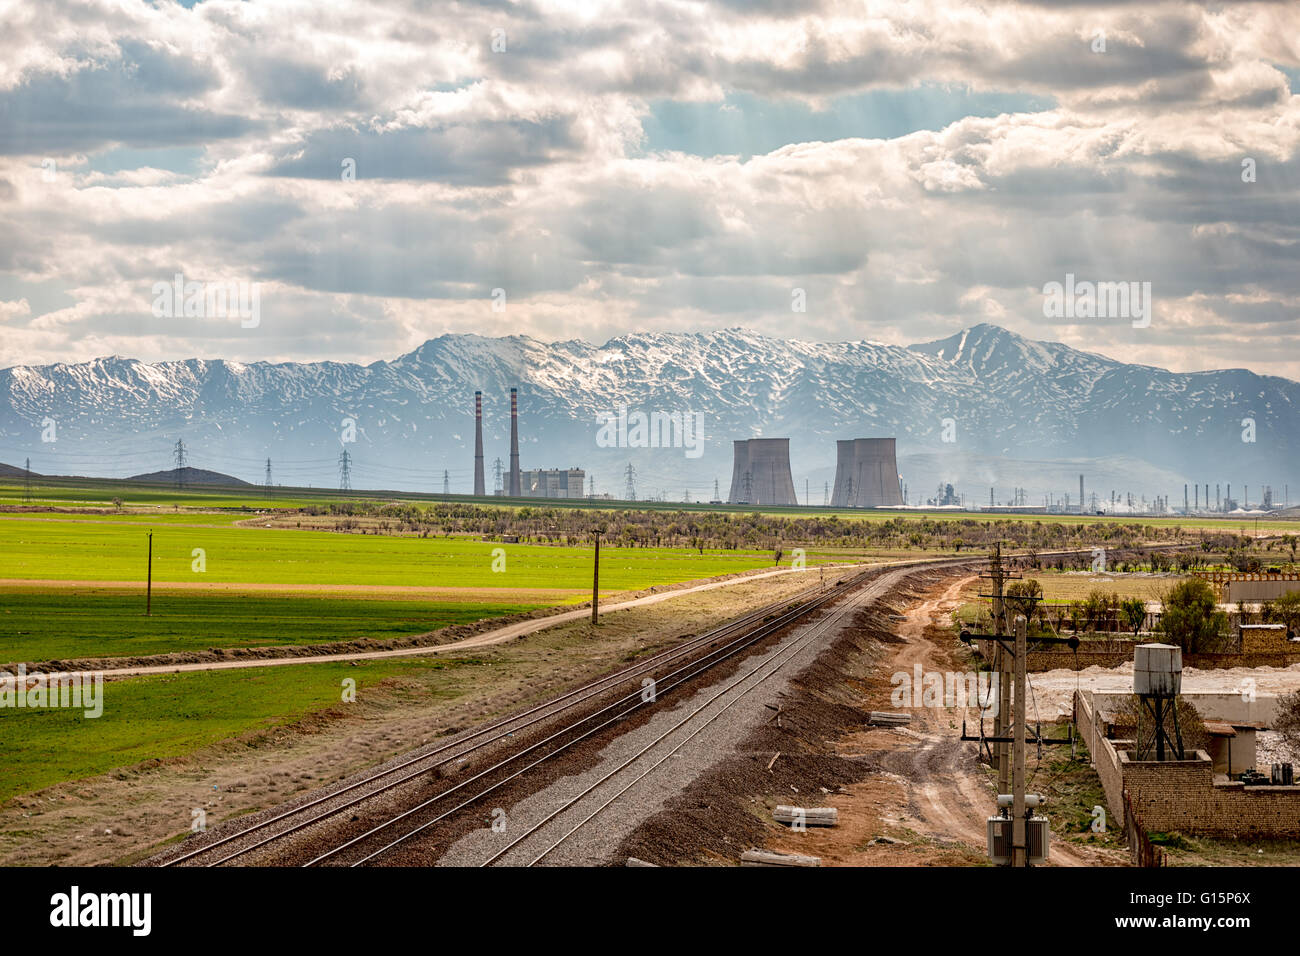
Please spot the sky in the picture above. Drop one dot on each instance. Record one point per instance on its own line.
(382, 173)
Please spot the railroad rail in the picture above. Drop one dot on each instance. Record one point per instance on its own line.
(738, 635)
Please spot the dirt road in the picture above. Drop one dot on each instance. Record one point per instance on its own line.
(498, 635)
(947, 794)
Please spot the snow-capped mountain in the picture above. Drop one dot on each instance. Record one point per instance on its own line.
(984, 407)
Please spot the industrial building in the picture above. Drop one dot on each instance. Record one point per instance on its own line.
(760, 474)
(553, 483)
(534, 483)
(866, 474)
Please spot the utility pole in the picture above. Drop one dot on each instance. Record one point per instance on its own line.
(345, 471)
(595, 583)
(148, 587)
(178, 452)
(1019, 846)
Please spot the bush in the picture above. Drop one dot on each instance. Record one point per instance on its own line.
(1190, 618)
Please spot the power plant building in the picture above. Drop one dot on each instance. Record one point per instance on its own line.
(761, 473)
(866, 474)
(553, 483)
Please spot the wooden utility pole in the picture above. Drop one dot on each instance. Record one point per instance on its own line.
(595, 583)
(1001, 662)
(1019, 846)
(148, 588)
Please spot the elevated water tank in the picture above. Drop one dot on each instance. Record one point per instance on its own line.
(1157, 670)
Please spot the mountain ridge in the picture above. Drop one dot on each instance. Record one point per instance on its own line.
(1008, 398)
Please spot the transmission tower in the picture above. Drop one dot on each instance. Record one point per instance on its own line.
(345, 471)
(826, 493)
(496, 471)
(717, 495)
(179, 454)
(630, 473)
(592, 481)
(27, 487)
(268, 476)
(446, 482)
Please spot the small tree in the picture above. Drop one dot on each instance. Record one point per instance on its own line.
(1285, 610)
(1022, 598)
(1190, 617)
(1135, 612)
(1287, 721)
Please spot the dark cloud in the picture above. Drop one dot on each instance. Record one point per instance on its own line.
(482, 153)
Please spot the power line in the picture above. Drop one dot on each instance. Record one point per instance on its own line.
(179, 453)
(345, 471)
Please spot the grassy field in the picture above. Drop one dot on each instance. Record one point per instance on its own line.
(154, 718)
(38, 624)
(35, 549)
(102, 492)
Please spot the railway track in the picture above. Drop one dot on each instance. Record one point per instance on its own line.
(232, 846)
(407, 782)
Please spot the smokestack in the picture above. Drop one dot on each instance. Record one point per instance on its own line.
(480, 488)
(514, 487)
(1081, 494)
(1185, 509)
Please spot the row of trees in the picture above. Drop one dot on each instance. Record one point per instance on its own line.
(720, 530)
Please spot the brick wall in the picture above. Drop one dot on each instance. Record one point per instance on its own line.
(1111, 653)
(1182, 795)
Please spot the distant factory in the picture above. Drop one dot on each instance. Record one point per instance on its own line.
(520, 483)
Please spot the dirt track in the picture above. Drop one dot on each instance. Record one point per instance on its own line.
(954, 794)
(490, 638)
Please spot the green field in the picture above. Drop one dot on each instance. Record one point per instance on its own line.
(38, 624)
(156, 718)
(70, 550)
(66, 492)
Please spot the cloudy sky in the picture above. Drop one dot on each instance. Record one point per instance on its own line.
(377, 169)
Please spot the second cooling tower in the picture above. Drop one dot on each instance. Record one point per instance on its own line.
(761, 473)
(866, 474)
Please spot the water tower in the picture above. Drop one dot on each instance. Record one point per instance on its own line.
(1157, 681)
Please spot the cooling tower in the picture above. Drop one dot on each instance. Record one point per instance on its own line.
(760, 474)
(513, 489)
(480, 488)
(866, 474)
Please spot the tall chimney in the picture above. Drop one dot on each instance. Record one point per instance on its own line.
(480, 488)
(513, 488)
